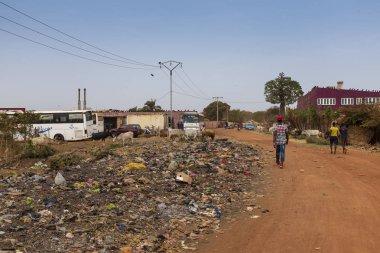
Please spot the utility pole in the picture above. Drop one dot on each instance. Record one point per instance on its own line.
(171, 65)
(217, 109)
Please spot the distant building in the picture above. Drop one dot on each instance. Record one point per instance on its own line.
(158, 120)
(337, 97)
(12, 110)
(114, 118)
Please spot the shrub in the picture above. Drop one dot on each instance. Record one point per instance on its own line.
(63, 160)
(115, 145)
(100, 153)
(316, 140)
(37, 151)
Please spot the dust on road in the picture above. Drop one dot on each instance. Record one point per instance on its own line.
(318, 203)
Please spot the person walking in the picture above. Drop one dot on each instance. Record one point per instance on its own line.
(280, 140)
(334, 134)
(344, 137)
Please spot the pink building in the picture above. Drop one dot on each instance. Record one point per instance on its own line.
(12, 110)
(337, 97)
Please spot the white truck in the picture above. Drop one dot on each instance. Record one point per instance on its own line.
(192, 123)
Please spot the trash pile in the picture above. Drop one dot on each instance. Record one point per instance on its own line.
(158, 196)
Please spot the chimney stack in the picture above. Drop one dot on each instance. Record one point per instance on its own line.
(79, 102)
(339, 85)
(84, 99)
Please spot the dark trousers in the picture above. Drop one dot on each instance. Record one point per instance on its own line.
(280, 153)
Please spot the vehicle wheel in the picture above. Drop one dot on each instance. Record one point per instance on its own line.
(113, 135)
(59, 137)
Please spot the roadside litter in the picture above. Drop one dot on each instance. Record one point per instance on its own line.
(156, 196)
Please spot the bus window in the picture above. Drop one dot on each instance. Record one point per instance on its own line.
(88, 116)
(94, 119)
(46, 119)
(75, 118)
(61, 118)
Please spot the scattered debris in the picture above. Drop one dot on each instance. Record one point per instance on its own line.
(183, 177)
(59, 179)
(156, 196)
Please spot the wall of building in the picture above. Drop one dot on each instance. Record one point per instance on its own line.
(310, 99)
(148, 120)
(12, 110)
(213, 124)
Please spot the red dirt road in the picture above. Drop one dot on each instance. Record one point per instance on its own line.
(318, 203)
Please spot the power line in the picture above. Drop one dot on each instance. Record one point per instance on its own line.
(75, 38)
(61, 41)
(189, 95)
(196, 86)
(185, 93)
(244, 102)
(193, 90)
(175, 83)
(163, 96)
(69, 53)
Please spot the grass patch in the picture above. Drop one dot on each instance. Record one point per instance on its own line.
(100, 153)
(115, 145)
(37, 151)
(63, 160)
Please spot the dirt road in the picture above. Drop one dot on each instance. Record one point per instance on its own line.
(318, 203)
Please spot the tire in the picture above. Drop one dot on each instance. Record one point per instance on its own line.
(59, 137)
(113, 135)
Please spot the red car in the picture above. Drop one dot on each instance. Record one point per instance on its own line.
(134, 128)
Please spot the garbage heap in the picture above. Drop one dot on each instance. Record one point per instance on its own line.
(158, 196)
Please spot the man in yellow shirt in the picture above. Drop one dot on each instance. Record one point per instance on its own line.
(334, 133)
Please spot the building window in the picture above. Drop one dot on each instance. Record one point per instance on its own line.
(370, 100)
(347, 101)
(326, 101)
(359, 101)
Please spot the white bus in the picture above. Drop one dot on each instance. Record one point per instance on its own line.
(65, 125)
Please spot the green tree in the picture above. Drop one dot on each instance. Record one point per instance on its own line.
(7, 127)
(24, 124)
(237, 115)
(210, 110)
(282, 90)
(12, 125)
(133, 109)
(259, 116)
(149, 106)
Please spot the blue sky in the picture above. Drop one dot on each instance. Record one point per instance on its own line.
(228, 48)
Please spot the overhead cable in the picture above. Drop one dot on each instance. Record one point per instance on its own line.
(75, 38)
(61, 41)
(189, 95)
(193, 90)
(69, 53)
(195, 85)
